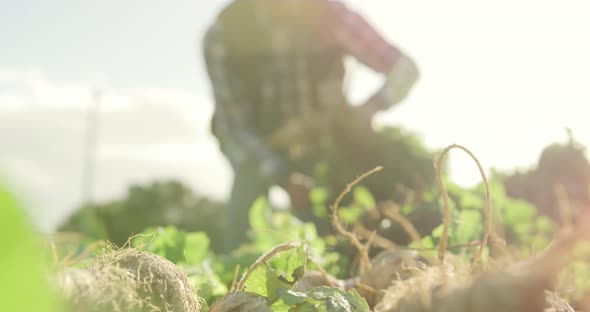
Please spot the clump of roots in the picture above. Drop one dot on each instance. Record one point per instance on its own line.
(128, 280)
(400, 280)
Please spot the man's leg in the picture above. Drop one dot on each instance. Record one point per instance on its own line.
(247, 186)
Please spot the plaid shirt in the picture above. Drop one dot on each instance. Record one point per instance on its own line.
(268, 65)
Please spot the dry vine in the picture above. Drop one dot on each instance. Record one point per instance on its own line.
(447, 217)
(362, 249)
(408, 227)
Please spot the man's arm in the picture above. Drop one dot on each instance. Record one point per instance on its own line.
(233, 124)
(360, 40)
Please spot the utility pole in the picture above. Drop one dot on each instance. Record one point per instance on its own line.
(90, 145)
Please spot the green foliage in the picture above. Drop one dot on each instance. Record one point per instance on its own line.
(520, 222)
(325, 299)
(470, 226)
(362, 200)
(160, 203)
(23, 283)
(266, 281)
(350, 214)
(269, 283)
(196, 247)
(271, 228)
(318, 197)
(406, 161)
(188, 245)
(296, 261)
(259, 220)
(174, 245)
(576, 276)
(363, 197)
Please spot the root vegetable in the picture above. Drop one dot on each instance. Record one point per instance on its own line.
(128, 280)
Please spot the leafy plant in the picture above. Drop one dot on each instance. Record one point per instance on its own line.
(23, 286)
(325, 299)
(161, 203)
(277, 286)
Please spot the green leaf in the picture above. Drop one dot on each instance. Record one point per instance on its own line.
(328, 299)
(544, 225)
(453, 189)
(196, 247)
(523, 231)
(437, 232)
(357, 301)
(265, 281)
(292, 298)
(406, 209)
(350, 215)
(452, 204)
(23, 278)
(208, 284)
(518, 212)
(539, 242)
(309, 307)
(363, 197)
(281, 273)
(166, 242)
(470, 225)
(309, 232)
(427, 242)
(257, 215)
(258, 279)
(469, 200)
(429, 196)
(320, 211)
(296, 262)
(319, 196)
(280, 306)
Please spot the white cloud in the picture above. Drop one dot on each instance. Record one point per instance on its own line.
(144, 134)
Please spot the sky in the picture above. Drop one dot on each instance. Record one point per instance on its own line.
(502, 78)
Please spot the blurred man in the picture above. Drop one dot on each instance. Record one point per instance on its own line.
(277, 72)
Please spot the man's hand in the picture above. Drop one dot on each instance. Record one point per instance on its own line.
(397, 86)
(376, 103)
(401, 79)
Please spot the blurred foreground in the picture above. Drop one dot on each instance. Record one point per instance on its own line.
(181, 228)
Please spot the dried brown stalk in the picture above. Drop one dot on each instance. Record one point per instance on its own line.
(363, 250)
(378, 240)
(391, 211)
(235, 279)
(447, 216)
